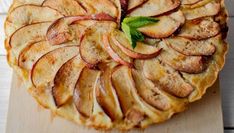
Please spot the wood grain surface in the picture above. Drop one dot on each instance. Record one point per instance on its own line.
(226, 76)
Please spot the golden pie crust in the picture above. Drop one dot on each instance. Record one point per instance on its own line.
(75, 60)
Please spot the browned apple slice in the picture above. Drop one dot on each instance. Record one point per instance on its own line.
(191, 47)
(99, 118)
(149, 92)
(115, 52)
(83, 92)
(28, 35)
(141, 51)
(155, 7)
(209, 9)
(200, 29)
(65, 80)
(45, 69)
(30, 54)
(66, 7)
(31, 33)
(103, 6)
(166, 26)
(189, 2)
(124, 86)
(132, 4)
(29, 14)
(106, 95)
(180, 62)
(91, 47)
(25, 2)
(200, 3)
(175, 86)
(59, 32)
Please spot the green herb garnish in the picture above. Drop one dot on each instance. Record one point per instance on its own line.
(130, 25)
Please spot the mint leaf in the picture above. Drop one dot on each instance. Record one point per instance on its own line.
(127, 31)
(130, 25)
(132, 34)
(136, 36)
(138, 22)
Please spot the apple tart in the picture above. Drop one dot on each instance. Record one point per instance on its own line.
(116, 63)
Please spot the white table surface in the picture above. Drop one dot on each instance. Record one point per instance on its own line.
(226, 76)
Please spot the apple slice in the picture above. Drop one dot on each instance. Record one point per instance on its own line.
(25, 2)
(103, 6)
(200, 29)
(149, 92)
(141, 51)
(27, 35)
(66, 7)
(106, 95)
(166, 26)
(124, 86)
(83, 92)
(60, 32)
(91, 46)
(209, 9)
(65, 80)
(115, 52)
(155, 7)
(200, 3)
(84, 98)
(189, 2)
(45, 69)
(191, 47)
(29, 14)
(175, 86)
(30, 54)
(180, 62)
(132, 4)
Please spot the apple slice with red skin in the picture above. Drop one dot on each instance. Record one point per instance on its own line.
(59, 32)
(115, 52)
(66, 7)
(180, 62)
(124, 87)
(165, 27)
(189, 2)
(200, 29)
(210, 9)
(92, 49)
(147, 90)
(102, 6)
(27, 35)
(30, 54)
(191, 47)
(132, 4)
(29, 14)
(175, 86)
(142, 51)
(45, 69)
(106, 95)
(83, 92)
(155, 7)
(65, 80)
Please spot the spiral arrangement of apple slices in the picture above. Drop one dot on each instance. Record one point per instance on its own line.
(76, 60)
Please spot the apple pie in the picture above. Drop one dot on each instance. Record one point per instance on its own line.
(116, 64)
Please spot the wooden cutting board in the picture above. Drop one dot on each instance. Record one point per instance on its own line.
(26, 116)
